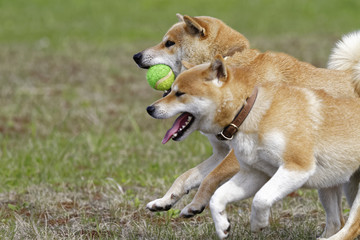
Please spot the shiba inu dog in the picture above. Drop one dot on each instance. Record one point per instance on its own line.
(197, 40)
(283, 135)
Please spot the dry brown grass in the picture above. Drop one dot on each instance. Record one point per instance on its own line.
(107, 212)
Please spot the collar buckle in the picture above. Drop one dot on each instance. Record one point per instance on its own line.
(221, 136)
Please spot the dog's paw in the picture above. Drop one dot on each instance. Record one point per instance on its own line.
(257, 226)
(331, 228)
(223, 228)
(260, 215)
(191, 210)
(159, 205)
(218, 212)
(222, 224)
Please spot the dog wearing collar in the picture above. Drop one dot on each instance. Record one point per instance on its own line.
(197, 40)
(291, 137)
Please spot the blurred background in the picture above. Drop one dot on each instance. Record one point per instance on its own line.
(79, 155)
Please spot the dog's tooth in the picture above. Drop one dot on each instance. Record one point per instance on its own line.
(175, 135)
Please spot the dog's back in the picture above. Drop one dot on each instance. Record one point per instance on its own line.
(281, 67)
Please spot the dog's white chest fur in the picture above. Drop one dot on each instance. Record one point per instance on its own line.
(264, 156)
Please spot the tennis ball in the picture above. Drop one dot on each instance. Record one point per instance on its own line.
(160, 77)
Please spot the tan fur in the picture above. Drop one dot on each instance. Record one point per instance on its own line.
(199, 39)
(271, 67)
(280, 67)
(320, 132)
(223, 172)
(354, 230)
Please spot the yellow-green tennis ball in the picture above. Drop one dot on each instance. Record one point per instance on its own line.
(160, 77)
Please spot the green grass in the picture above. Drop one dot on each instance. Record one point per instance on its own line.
(109, 21)
(79, 155)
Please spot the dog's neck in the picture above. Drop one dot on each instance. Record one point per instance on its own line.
(229, 131)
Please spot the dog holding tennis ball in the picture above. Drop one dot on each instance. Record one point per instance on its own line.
(198, 40)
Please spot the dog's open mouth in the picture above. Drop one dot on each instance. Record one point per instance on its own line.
(181, 124)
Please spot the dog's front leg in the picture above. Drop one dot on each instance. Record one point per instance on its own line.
(283, 182)
(191, 178)
(330, 198)
(241, 186)
(223, 172)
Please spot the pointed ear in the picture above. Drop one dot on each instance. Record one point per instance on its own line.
(194, 26)
(187, 65)
(180, 17)
(219, 67)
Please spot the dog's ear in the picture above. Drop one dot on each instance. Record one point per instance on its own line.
(180, 17)
(187, 65)
(218, 66)
(194, 26)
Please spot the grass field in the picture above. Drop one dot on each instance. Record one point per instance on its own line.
(79, 155)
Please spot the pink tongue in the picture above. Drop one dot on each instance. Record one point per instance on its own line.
(176, 126)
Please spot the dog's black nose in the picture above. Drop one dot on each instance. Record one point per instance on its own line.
(137, 58)
(150, 110)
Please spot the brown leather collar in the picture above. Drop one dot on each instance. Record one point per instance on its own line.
(228, 132)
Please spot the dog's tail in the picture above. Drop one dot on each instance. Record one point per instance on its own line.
(346, 56)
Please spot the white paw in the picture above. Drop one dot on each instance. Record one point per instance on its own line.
(258, 226)
(161, 204)
(221, 222)
(222, 228)
(259, 220)
(260, 214)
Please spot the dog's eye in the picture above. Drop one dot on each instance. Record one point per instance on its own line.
(169, 43)
(178, 93)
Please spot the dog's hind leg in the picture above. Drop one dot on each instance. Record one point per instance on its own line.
(330, 198)
(352, 227)
(351, 188)
(191, 178)
(223, 172)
